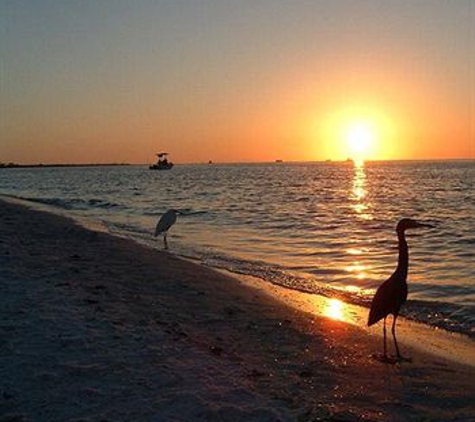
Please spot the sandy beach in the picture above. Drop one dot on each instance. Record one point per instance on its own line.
(98, 328)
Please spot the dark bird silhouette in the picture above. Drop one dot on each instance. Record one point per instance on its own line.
(166, 221)
(392, 294)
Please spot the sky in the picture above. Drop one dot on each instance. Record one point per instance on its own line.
(236, 81)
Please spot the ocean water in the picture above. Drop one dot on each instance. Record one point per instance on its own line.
(327, 228)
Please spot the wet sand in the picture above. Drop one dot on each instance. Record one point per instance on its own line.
(98, 328)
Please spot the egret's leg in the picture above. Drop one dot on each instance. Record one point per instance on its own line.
(384, 332)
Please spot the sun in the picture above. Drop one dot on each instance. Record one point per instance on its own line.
(359, 133)
(360, 137)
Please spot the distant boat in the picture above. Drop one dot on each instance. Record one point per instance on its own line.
(279, 161)
(162, 163)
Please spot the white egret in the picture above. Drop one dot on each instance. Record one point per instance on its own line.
(166, 221)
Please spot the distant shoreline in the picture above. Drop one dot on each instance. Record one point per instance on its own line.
(15, 166)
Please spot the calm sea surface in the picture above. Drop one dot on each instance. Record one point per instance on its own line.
(318, 227)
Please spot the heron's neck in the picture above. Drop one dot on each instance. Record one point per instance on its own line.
(403, 261)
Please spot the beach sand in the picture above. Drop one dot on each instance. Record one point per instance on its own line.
(98, 328)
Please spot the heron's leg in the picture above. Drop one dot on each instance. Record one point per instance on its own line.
(384, 332)
(399, 356)
(393, 330)
(165, 243)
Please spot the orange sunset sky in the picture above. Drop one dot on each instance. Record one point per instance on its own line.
(117, 81)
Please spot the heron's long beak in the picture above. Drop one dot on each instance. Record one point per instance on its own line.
(426, 225)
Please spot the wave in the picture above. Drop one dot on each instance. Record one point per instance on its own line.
(298, 218)
(438, 314)
(448, 316)
(74, 203)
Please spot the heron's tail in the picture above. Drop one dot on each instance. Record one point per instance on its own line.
(374, 316)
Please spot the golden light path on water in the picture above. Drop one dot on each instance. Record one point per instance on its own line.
(359, 193)
(362, 207)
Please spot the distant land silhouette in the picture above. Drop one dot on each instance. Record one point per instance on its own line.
(15, 165)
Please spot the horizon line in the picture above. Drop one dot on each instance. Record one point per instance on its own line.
(72, 164)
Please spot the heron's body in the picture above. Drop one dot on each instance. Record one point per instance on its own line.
(389, 298)
(392, 294)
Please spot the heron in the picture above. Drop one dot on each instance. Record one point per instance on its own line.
(392, 294)
(166, 221)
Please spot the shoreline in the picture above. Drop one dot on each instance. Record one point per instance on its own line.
(435, 339)
(446, 345)
(118, 331)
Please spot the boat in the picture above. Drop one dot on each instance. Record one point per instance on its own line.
(162, 163)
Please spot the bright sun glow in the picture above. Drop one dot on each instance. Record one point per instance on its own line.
(358, 133)
(360, 136)
(360, 139)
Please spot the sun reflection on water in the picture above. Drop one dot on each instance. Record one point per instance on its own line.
(354, 251)
(359, 193)
(353, 289)
(361, 205)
